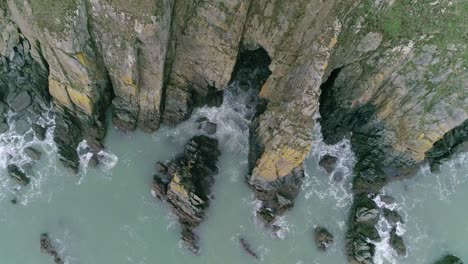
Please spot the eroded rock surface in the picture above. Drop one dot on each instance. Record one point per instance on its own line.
(185, 184)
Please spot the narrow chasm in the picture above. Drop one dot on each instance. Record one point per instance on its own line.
(185, 182)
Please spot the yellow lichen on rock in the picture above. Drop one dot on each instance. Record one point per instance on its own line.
(176, 187)
(81, 57)
(81, 100)
(59, 93)
(279, 163)
(130, 83)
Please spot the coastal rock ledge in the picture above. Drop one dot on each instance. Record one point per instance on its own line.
(185, 184)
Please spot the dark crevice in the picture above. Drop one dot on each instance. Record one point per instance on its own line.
(453, 142)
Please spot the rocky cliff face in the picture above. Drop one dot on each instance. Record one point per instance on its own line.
(391, 75)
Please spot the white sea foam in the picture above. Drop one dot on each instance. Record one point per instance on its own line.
(317, 183)
(12, 146)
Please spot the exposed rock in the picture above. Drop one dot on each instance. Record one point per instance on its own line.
(449, 259)
(328, 163)
(323, 238)
(396, 242)
(247, 248)
(361, 230)
(21, 102)
(185, 184)
(18, 175)
(392, 216)
(33, 153)
(387, 199)
(48, 247)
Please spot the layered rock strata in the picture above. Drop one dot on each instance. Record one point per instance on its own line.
(185, 184)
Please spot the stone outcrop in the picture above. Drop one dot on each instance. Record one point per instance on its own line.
(323, 238)
(185, 184)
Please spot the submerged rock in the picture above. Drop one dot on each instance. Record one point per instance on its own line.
(247, 248)
(47, 247)
(328, 163)
(206, 126)
(33, 153)
(323, 238)
(449, 259)
(185, 184)
(18, 175)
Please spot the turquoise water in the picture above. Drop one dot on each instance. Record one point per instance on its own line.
(108, 215)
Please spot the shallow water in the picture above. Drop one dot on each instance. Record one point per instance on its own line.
(107, 214)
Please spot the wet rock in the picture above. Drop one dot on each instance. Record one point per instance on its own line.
(328, 163)
(247, 248)
(323, 238)
(396, 242)
(39, 131)
(364, 215)
(387, 199)
(185, 184)
(18, 175)
(22, 126)
(28, 137)
(47, 247)
(33, 153)
(13, 201)
(21, 101)
(392, 216)
(449, 259)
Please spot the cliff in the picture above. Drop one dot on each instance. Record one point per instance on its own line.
(391, 75)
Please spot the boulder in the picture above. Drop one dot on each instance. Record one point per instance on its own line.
(21, 101)
(323, 238)
(47, 247)
(328, 163)
(22, 126)
(3, 128)
(18, 175)
(185, 184)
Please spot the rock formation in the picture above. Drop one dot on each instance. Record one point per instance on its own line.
(323, 238)
(185, 184)
(449, 259)
(391, 75)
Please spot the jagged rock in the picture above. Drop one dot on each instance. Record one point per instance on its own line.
(21, 101)
(18, 175)
(328, 163)
(396, 242)
(392, 216)
(47, 247)
(364, 214)
(323, 238)
(247, 248)
(449, 259)
(185, 184)
(33, 153)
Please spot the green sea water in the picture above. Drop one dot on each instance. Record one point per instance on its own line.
(108, 215)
